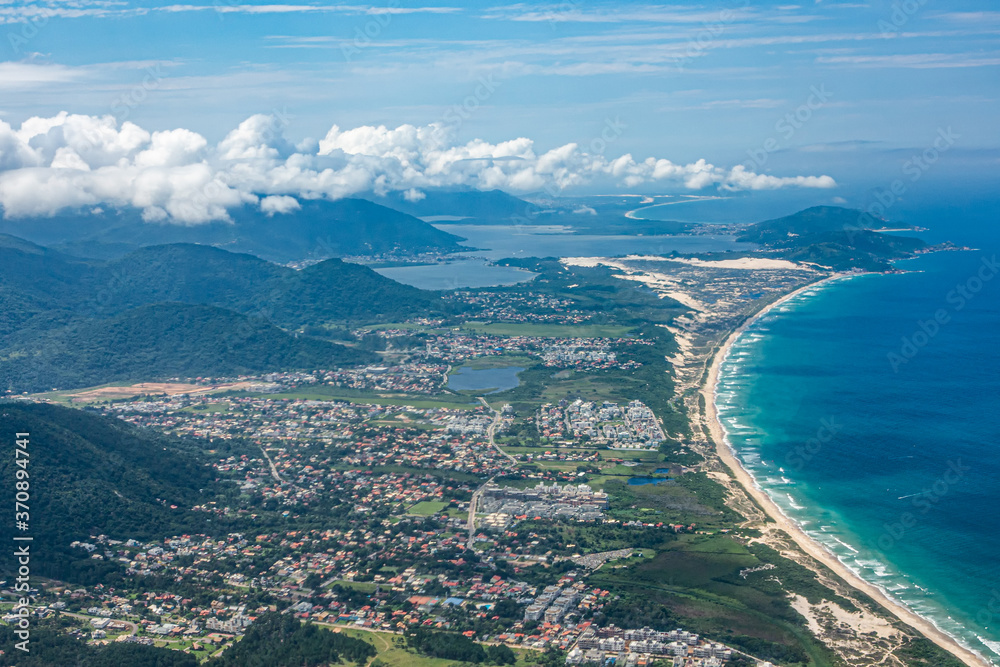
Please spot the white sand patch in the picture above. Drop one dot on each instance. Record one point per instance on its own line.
(801, 605)
(684, 345)
(685, 299)
(745, 263)
(661, 283)
(585, 262)
(859, 622)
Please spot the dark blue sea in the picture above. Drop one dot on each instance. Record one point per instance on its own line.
(869, 410)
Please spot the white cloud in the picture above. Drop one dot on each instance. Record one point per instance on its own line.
(279, 204)
(18, 75)
(234, 8)
(917, 60)
(69, 160)
(41, 12)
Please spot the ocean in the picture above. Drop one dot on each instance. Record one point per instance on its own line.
(869, 410)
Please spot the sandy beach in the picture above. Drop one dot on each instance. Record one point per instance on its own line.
(814, 549)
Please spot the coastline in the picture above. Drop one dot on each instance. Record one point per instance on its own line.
(806, 543)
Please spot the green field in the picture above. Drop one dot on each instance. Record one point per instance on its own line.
(696, 583)
(392, 654)
(362, 586)
(427, 508)
(325, 393)
(549, 330)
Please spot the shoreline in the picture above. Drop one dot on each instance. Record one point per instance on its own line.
(804, 542)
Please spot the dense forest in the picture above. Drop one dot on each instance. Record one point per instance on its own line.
(163, 340)
(453, 646)
(277, 639)
(180, 310)
(101, 476)
(274, 640)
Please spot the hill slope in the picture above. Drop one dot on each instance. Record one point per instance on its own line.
(331, 290)
(179, 310)
(495, 205)
(837, 237)
(162, 341)
(101, 476)
(317, 230)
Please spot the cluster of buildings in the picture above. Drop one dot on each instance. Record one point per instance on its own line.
(555, 603)
(358, 434)
(410, 378)
(631, 427)
(593, 356)
(504, 506)
(590, 353)
(644, 646)
(520, 307)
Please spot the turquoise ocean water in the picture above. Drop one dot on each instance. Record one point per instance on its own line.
(869, 410)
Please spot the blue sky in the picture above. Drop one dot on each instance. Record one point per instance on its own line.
(684, 82)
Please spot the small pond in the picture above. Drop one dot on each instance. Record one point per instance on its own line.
(495, 379)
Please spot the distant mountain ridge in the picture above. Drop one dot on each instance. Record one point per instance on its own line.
(494, 205)
(318, 229)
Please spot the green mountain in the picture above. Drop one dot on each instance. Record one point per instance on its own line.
(319, 229)
(810, 221)
(162, 341)
(832, 236)
(179, 310)
(101, 476)
(332, 290)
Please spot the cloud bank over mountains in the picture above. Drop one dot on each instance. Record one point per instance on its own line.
(77, 161)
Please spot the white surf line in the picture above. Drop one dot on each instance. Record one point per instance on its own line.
(631, 214)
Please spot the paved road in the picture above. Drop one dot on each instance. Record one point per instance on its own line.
(492, 429)
(274, 470)
(473, 505)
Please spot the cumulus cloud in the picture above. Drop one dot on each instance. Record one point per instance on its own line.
(279, 204)
(70, 161)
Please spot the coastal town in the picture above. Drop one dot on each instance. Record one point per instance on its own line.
(383, 502)
(424, 541)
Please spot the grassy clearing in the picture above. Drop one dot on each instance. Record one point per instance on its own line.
(427, 508)
(324, 393)
(392, 653)
(361, 586)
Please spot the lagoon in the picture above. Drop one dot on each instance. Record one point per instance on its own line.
(494, 379)
(487, 243)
